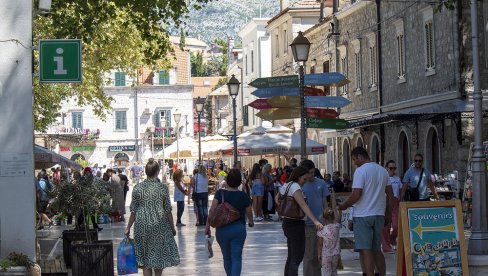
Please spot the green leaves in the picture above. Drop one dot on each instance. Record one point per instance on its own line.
(119, 35)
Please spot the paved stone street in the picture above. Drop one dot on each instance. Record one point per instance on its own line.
(264, 251)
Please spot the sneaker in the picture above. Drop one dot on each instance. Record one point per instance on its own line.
(258, 219)
(389, 252)
(180, 224)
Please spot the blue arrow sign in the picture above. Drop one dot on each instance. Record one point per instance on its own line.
(276, 91)
(328, 78)
(326, 101)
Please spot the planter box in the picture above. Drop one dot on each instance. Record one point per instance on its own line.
(70, 236)
(94, 259)
(21, 271)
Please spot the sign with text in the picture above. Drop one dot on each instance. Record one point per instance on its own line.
(282, 81)
(326, 101)
(60, 60)
(292, 113)
(276, 91)
(284, 101)
(327, 123)
(328, 78)
(321, 113)
(431, 239)
(121, 148)
(260, 104)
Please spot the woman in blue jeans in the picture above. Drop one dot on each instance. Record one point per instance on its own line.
(201, 187)
(294, 229)
(231, 237)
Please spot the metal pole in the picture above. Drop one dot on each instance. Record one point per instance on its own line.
(164, 136)
(478, 243)
(199, 141)
(235, 129)
(152, 144)
(177, 144)
(303, 130)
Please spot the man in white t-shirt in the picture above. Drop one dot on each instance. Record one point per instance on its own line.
(371, 210)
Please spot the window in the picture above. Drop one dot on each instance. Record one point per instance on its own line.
(119, 79)
(357, 57)
(277, 46)
(285, 42)
(400, 56)
(163, 77)
(245, 115)
(372, 66)
(429, 46)
(343, 65)
(77, 119)
(121, 120)
(252, 61)
(245, 61)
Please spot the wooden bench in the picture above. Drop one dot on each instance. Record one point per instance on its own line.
(53, 268)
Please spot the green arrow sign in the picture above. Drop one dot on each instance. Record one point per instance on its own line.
(283, 81)
(60, 60)
(327, 123)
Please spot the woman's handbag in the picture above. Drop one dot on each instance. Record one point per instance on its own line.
(288, 207)
(223, 214)
(413, 194)
(194, 195)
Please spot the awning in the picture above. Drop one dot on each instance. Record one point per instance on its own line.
(44, 158)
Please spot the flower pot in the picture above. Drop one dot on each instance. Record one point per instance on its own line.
(21, 271)
(70, 236)
(94, 259)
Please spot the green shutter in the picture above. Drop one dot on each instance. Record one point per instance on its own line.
(163, 77)
(119, 79)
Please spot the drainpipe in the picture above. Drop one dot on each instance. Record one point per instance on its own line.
(380, 67)
(136, 125)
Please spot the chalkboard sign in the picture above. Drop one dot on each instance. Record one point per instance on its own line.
(431, 239)
(338, 199)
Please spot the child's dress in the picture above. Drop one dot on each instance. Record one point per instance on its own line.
(331, 249)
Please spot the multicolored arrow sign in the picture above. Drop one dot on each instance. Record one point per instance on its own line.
(312, 91)
(261, 104)
(321, 113)
(276, 91)
(327, 123)
(292, 113)
(328, 78)
(282, 81)
(284, 101)
(326, 101)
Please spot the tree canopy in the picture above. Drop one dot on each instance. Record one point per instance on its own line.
(116, 34)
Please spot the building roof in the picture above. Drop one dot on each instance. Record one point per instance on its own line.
(189, 41)
(300, 5)
(221, 91)
(202, 86)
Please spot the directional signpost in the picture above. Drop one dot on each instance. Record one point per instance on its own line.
(283, 81)
(261, 104)
(311, 91)
(328, 78)
(326, 101)
(60, 60)
(327, 123)
(276, 91)
(292, 113)
(284, 101)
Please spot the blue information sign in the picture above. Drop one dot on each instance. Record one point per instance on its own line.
(326, 101)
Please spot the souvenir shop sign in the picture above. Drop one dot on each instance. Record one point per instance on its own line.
(121, 148)
(431, 239)
(82, 148)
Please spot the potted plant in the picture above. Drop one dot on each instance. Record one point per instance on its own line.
(83, 196)
(18, 264)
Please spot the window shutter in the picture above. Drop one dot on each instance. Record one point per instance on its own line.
(163, 77)
(124, 119)
(156, 119)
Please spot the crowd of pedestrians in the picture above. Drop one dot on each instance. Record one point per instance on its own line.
(374, 195)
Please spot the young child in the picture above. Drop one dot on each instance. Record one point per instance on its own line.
(329, 246)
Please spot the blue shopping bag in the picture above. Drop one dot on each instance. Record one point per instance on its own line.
(126, 257)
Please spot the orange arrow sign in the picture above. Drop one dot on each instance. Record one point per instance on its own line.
(284, 101)
(279, 113)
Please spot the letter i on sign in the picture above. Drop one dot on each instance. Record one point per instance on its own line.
(59, 60)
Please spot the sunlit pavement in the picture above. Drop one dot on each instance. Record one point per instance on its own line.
(264, 251)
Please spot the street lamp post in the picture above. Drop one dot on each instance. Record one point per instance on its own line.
(199, 108)
(163, 127)
(233, 86)
(177, 117)
(300, 48)
(478, 242)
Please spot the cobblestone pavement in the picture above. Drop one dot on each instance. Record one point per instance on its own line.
(264, 251)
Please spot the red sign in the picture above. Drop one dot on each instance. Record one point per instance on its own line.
(311, 91)
(260, 104)
(321, 113)
(63, 148)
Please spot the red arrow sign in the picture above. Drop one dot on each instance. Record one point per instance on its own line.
(321, 113)
(260, 104)
(311, 91)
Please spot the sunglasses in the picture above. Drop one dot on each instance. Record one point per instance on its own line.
(392, 168)
(418, 161)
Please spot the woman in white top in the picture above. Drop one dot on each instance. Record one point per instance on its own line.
(390, 231)
(294, 229)
(201, 187)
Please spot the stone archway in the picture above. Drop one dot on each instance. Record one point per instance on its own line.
(346, 157)
(121, 159)
(375, 149)
(403, 162)
(432, 151)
